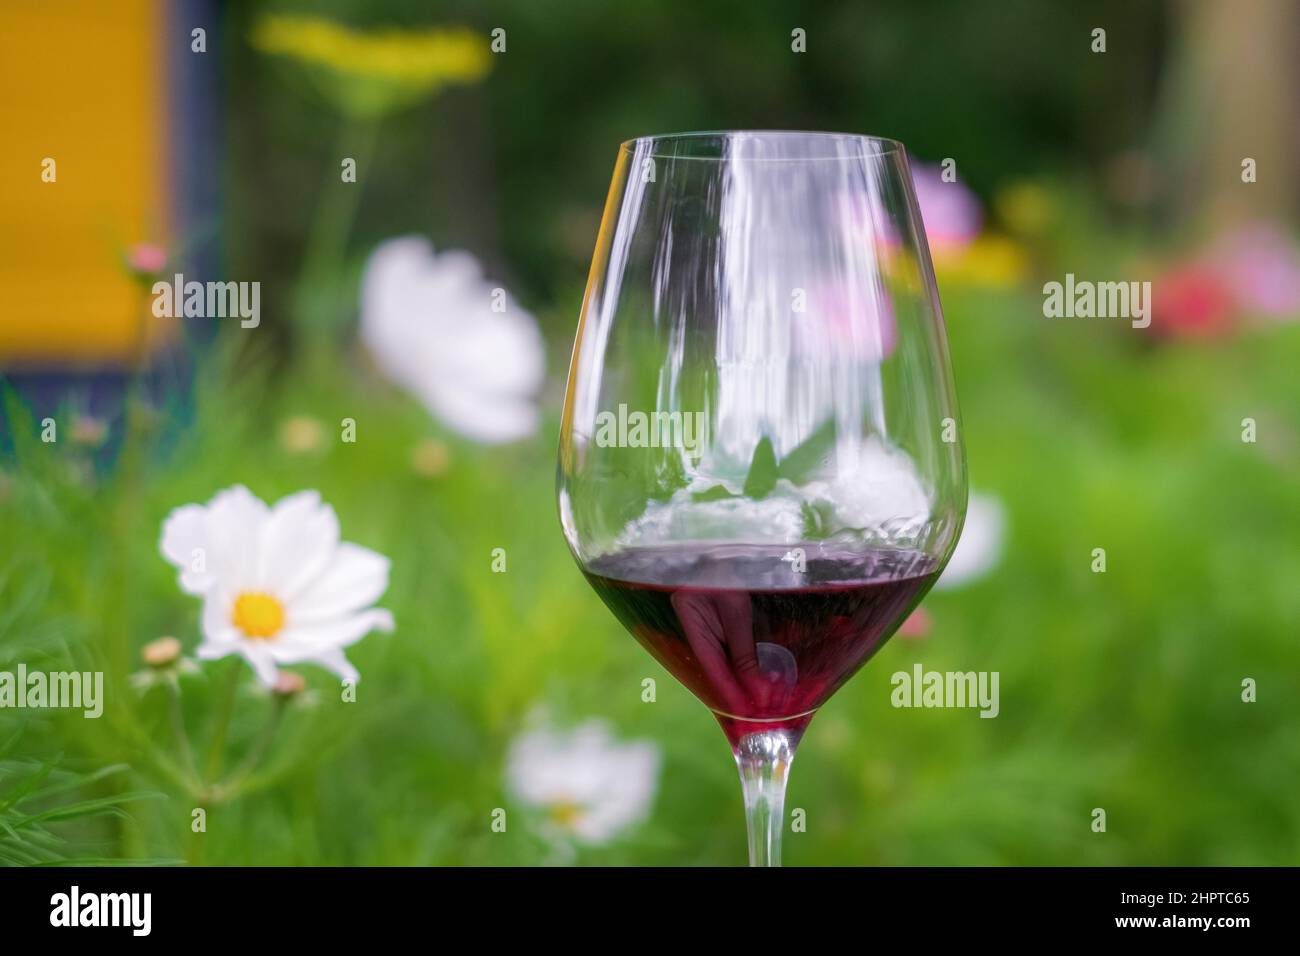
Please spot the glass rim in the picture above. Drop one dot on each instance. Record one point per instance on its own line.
(877, 145)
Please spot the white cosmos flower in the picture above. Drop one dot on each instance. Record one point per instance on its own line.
(429, 320)
(278, 586)
(980, 547)
(590, 786)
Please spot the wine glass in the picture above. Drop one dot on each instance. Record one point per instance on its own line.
(761, 470)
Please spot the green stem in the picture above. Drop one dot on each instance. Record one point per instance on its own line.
(178, 728)
(231, 788)
(158, 761)
(327, 239)
(217, 747)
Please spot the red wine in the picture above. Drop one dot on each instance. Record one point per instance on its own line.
(762, 643)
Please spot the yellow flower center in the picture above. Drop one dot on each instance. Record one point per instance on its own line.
(258, 615)
(565, 813)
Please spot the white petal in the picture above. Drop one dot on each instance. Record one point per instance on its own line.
(430, 323)
(495, 364)
(486, 419)
(496, 352)
(215, 544)
(533, 772)
(235, 520)
(233, 642)
(256, 653)
(355, 578)
(304, 642)
(239, 505)
(980, 547)
(216, 619)
(297, 542)
(334, 660)
(184, 542)
(260, 659)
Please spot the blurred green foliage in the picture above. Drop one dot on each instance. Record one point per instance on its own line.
(1119, 690)
(515, 169)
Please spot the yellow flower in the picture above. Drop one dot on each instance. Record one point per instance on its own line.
(1026, 207)
(989, 260)
(373, 73)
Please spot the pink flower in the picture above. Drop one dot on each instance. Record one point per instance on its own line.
(146, 258)
(950, 211)
(917, 624)
(1260, 267)
(1191, 301)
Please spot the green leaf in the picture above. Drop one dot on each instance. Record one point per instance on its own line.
(807, 458)
(816, 520)
(763, 472)
(25, 786)
(87, 808)
(82, 780)
(716, 493)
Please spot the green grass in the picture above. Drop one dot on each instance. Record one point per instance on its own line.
(1119, 691)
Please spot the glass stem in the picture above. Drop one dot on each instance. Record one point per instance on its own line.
(764, 759)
